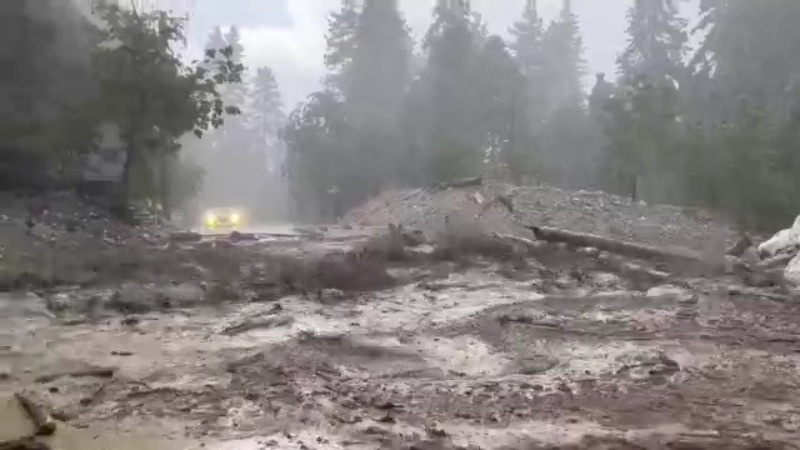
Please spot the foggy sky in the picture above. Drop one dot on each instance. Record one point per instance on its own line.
(288, 35)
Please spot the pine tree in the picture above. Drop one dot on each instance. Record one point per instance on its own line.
(341, 41)
(527, 35)
(235, 94)
(563, 53)
(264, 121)
(265, 109)
(449, 78)
(215, 43)
(375, 85)
(499, 80)
(379, 71)
(749, 50)
(656, 42)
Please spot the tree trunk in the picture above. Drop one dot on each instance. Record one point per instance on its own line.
(165, 169)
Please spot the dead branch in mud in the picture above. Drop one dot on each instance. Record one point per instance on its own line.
(630, 249)
(618, 264)
(741, 245)
(99, 372)
(185, 236)
(530, 246)
(252, 324)
(38, 411)
(464, 182)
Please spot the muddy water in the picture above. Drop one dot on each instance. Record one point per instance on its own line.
(15, 424)
(442, 355)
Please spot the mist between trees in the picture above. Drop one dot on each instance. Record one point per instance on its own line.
(715, 126)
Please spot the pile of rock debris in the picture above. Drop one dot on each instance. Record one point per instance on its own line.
(505, 208)
(781, 254)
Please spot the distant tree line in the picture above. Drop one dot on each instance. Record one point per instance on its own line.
(715, 127)
(467, 103)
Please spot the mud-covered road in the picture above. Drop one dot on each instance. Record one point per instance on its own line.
(466, 352)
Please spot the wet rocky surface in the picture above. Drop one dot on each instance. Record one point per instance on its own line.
(363, 338)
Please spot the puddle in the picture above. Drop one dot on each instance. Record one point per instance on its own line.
(14, 424)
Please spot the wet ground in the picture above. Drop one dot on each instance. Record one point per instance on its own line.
(458, 356)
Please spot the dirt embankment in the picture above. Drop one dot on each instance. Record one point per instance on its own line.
(583, 211)
(470, 334)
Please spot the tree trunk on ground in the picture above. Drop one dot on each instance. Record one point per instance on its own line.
(680, 258)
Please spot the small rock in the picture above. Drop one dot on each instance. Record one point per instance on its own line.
(183, 295)
(60, 303)
(331, 295)
(130, 321)
(535, 366)
(604, 279)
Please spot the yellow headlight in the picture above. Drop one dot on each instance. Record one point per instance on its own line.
(235, 218)
(211, 219)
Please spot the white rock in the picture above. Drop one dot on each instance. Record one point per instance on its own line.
(605, 279)
(59, 302)
(782, 240)
(792, 272)
(667, 291)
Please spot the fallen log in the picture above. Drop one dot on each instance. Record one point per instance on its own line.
(99, 372)
(530, 246)
(37, 409)
(642, 277)
(252, 324)
(680, 258)
(185, 236)
(775, 262)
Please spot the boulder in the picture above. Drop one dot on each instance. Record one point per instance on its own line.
(787, 240)
(792, 272)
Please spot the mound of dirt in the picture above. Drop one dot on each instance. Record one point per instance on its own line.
(589, 212)
(47, 238)
(432, 211)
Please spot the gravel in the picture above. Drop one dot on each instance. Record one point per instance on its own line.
(580, 211)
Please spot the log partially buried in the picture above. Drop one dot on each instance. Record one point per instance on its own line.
(38, 411)
(629, 249)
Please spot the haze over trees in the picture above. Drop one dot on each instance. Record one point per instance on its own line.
(713, 125)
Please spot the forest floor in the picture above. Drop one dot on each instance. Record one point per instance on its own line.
(352, 337)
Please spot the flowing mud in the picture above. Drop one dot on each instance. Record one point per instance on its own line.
(473, 352)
